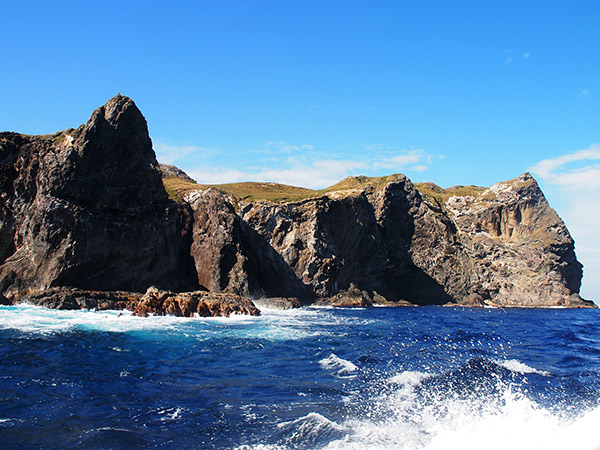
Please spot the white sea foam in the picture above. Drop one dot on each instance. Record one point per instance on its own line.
(341, 367)
(273, 324)
(450, 422)
(39, 320)
(521, 425)
(309, 429)
(302, 323)
(517, 366)
(6, 422)
(401, 419)
(36, 319)
(409, 378)
(170, 413)
(312, 422)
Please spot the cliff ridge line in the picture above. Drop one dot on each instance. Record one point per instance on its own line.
(92, 209)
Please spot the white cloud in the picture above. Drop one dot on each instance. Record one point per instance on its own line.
(317, 174)
(401, 159)
(304, 167)
(168, 153)
(510, 56)
(556, 170)
(573, 188)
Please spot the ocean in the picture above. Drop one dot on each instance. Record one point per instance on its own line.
(310, 378)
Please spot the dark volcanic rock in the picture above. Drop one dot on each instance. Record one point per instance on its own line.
(319, 247)
(73, 298)
(87, 208)
(278, 303)
(388, 244)
(351, 297)
(231, 256)
(153, 302)
(4, 301)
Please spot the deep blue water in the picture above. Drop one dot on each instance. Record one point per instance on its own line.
(386, 378)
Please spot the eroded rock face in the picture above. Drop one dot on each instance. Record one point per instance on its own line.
(231, 256)
(521, 251)
(505, 247)
(87, 208)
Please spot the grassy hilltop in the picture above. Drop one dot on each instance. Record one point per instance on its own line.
(177, 187)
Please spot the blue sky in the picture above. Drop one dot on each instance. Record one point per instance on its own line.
(307, 93)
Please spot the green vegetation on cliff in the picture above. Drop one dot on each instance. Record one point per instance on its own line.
(177, 187)
(441, 195)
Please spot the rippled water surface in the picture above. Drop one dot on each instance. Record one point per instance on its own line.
(379, 378)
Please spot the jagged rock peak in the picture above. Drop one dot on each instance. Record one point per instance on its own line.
(87, 208)
(114, 110)
(123, 124)
(117, 156)
(525, 177)
(168, 170)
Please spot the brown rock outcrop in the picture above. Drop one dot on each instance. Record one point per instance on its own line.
(188, 304)
(153, 302)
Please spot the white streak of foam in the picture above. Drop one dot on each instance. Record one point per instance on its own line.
(409, 378)
(517, 366)
(272, 324)
(39, 320)
(341, 367)
(315, 422)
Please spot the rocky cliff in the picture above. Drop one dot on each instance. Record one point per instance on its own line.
(385, 240)
(87, 208)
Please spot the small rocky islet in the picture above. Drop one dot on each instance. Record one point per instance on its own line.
(90, 219)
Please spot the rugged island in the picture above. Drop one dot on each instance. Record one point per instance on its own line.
(90, 219)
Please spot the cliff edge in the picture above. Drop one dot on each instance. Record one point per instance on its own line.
(91, 208)
(86, 207)
(389, 240)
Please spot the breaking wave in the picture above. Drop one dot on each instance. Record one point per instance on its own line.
(339, 366)
(480, 405)
(306, 379)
